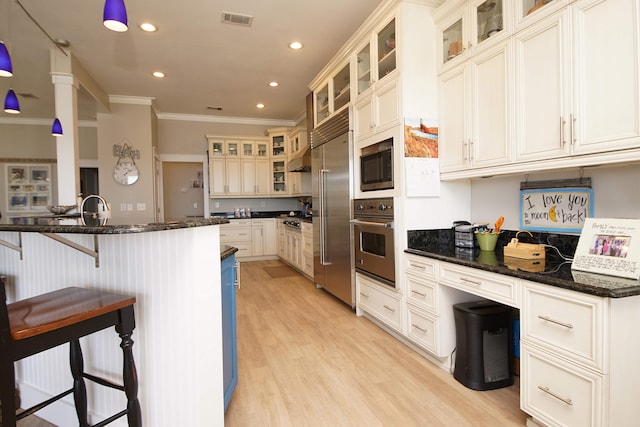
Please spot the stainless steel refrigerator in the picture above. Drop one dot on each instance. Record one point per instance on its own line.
(331, 171)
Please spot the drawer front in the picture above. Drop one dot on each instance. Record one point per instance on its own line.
(566, 322)
(237, 223)
(559, 393)
(235, 235)
(423, 329)
(421, 266)
(382, 305)
(244, 249)
(422, 292)
(496, 287)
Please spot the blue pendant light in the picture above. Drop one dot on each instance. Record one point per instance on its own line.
(114, 16)
(56, 128)
(11, 104)
(6, 69)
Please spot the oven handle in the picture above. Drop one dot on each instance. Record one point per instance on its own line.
(387, 224)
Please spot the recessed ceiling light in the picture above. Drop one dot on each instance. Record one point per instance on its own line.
(273, 84)
(260, 105)
(295, 45)
(148, 27)
(158, 74)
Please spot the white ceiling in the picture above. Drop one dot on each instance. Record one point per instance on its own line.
(206, 62)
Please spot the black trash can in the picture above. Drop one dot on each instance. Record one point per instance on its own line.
(483, 337)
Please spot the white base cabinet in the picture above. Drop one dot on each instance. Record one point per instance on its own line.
(579, 358)
(252, 237)
(384, 304)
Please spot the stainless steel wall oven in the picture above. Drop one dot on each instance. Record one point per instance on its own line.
(374, 239)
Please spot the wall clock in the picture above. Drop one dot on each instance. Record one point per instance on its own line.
(125, 171)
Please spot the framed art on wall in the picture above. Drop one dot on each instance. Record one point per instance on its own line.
(28, 187)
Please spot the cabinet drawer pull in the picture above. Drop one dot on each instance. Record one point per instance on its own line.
(473, 282)
(557, 322)
(421, 267)
(364, 295)
(560, 398)
(419, 293)
(424, 331)
(393, 310)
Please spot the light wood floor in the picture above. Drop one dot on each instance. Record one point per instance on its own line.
(305, 359)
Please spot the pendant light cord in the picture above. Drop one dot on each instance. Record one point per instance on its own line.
(42, 29)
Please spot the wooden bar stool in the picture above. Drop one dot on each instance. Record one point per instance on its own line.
(37, 324)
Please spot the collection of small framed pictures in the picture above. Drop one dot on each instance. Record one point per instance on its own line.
(28, 187)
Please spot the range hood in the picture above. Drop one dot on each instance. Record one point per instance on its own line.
(301, 162)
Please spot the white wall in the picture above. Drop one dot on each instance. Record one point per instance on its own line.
(256, 205)
(616, 194)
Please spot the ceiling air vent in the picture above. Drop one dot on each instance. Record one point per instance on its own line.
(237, 19)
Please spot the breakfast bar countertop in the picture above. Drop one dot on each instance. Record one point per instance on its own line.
(112, 229)
(439, 244)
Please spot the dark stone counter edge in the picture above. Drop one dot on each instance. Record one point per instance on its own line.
(113, 229)
(226, 251)
(534, 277)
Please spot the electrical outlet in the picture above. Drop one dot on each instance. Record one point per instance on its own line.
(129, 206)
(141, 206)
(123, 207)
(262, 204)
(195, 206)
(217, 204)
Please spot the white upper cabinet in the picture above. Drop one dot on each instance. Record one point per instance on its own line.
(543, 88)
(606, 92)
(589, 100)
(564, 86)
(475, 125)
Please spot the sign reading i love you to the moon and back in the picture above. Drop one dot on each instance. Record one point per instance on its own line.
(555, 209)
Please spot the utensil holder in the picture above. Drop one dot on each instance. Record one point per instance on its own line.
(487, 241)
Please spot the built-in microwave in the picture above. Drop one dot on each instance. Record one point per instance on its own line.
(376, 166)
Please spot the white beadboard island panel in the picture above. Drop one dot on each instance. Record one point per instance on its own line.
(175, 276)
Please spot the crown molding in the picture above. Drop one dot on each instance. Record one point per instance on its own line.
(225, 119)
(42, 122)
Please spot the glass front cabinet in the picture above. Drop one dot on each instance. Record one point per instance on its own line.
(333, 95)
(386, 40)
(470, 27)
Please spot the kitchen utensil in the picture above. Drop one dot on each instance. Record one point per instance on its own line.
(498, 224)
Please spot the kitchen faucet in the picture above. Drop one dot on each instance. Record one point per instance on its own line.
(104, 209)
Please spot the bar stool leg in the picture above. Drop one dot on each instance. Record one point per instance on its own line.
(129, 373)
(79, 387)
(7, 395)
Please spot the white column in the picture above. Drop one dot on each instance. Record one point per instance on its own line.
(66, 97)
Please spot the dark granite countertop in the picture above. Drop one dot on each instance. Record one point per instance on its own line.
(261, 214)
(439, 244)
(113, 229)
(226, 251)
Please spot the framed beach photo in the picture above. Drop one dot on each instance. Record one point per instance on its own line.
(39, 174)
(18, 202)
(39, 201)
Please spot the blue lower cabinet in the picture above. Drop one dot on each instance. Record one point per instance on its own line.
(229, 342)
